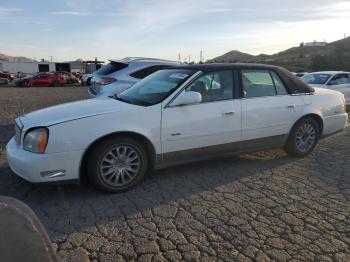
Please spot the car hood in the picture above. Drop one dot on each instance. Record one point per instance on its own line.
(317, 85)
(72, 111)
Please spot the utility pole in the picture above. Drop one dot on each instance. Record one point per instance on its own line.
(51, 57)
(179, 57)
(189, 58)
(201, 56)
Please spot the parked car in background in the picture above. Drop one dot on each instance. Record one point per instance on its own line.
(334, 80)
(71, 78)
(21, 75)
(85, 79)
(7, 75)
(3, 81)
(119, 75)
(174, 116)
(300, 74)
(24, 81)
(42, 79)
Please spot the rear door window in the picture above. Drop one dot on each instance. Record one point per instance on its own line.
(280, 87)
(259, 83)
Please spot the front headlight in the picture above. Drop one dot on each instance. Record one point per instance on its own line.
(35, 140)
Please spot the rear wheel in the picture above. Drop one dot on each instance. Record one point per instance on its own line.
(117, 164)
(303, 138)
(25, 84)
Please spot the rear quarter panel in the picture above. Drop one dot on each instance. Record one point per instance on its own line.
(329, 106)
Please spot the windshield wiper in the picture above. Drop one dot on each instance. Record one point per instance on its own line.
(132, 101)
(121, 99)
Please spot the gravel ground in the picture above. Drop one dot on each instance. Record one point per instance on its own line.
(264, 206)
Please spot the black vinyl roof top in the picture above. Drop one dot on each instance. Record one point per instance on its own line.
(292, 82)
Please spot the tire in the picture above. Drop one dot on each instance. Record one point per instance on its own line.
(25, 84)
(303, 138)
(88, 81)
(111, 172)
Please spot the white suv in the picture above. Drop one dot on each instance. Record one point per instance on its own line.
(119, 75)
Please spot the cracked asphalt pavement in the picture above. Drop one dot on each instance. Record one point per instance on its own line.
(264, 206)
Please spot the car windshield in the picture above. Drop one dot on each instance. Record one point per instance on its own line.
(156, 87)
(316, 79)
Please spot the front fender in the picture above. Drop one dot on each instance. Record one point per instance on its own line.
(78, 134)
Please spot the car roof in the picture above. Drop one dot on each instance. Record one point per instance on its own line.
(226, 66)
(128, 60)
(292, 82)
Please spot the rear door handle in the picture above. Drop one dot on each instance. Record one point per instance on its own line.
(228, 113)
(291, 106)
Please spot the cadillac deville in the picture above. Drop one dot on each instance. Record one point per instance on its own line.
(174, 116)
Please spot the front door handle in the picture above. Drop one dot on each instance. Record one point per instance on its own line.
(291, 106)
(228, 113)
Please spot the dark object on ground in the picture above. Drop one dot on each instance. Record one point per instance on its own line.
(23, 238)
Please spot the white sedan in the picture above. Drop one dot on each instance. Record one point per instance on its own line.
(334, 80)
(174, 116)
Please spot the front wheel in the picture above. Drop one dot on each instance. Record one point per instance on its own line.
(117, 164)
(25, 84)
(303, 138)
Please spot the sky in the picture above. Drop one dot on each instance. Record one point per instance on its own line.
(111, 29)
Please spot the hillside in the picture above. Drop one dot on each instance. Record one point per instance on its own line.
(15, 58)
(234, 56)
(334, 55)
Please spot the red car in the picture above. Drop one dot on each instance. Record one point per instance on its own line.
(43, 79)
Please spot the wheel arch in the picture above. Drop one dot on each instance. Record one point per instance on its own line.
(138, 137)
(314, 116)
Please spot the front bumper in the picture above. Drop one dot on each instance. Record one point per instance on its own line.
(37, 168)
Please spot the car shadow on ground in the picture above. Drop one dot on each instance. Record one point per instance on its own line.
(65, 209)
(85, 207)
(6, 132)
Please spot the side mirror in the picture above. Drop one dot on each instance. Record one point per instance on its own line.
(187, 98)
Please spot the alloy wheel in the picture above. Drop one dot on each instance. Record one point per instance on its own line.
(305, 137)
(120, 165)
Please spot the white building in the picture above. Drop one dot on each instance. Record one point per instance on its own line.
(315, 43)
(27, 67)
(33, 67)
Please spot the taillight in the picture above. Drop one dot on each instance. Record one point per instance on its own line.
(106, 80)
